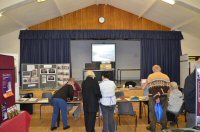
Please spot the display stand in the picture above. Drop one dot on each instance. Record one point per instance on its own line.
(7, 85)
(45, 76)
(198, 97)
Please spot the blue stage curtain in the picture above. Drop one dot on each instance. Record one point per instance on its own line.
(45, 51)
(165, 53)
(53, 46)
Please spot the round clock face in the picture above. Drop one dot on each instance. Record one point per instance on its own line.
(101, 19)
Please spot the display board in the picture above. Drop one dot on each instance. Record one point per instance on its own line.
(7, 85)
(44, 75)
(30, 76)
(198, 97)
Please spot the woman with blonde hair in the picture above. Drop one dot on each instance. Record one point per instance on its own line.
(91, 95)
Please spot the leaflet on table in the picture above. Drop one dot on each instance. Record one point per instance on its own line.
(23, 99)
(43, 100)
(32, 99)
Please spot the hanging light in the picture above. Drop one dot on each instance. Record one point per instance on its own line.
(1, 14)
(172, 2)
(40, 1)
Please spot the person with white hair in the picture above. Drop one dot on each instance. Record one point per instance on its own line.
(174, 103)
(158, 84)
(190, 96)
(91, 95)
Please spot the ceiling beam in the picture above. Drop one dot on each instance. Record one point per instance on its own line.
(6, 5)
(184, 23)
(148, 7)
(189, 5)
(59, 10)
(17, 21)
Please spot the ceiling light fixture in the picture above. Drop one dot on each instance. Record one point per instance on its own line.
(40, 1)
(172, 2)
(1, 14)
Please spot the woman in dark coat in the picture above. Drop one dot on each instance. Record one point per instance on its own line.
(91, 95)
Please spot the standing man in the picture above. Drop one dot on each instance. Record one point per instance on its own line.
(190, 96)
(158, 84)
(60, 99)
(108, 102)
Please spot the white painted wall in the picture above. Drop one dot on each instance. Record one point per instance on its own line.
(190, 45)
(9, 43)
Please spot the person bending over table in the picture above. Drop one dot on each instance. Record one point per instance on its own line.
(60, 99)
(77, 90)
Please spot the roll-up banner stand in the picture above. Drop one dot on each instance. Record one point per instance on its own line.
(198, 97)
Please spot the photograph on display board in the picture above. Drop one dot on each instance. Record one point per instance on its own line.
(65, 78)
(65, 67)
(26, 80)
(66, 72)
(34, 73)
(60, 72)
(59, 66)
(34, 80)
(44, 76)
(43, 71)
(52, 71)
(26, 74)
(7, 85)
(60, 83)
(60, 77)
(44, 80)
(51, 78)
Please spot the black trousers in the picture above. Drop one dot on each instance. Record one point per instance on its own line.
(171, 117)
(90, 119)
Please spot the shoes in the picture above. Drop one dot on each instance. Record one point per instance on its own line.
(53, 128)
(148, 128)
(151, 129)
(67, 127)
(172, 123)
(58, 124)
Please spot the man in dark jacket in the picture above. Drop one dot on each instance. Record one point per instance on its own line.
(190, 96)
(60, 99)
(91, 94)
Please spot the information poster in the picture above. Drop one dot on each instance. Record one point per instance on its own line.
(198, 96)
(4, 111)
(7, 85)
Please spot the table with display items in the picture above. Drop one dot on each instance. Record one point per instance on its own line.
(119, 72)
(40, 101)
(139, 99)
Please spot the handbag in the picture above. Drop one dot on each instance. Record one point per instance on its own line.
(159, 111)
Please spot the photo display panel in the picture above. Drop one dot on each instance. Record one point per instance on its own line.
(46, 76)
(30, 76)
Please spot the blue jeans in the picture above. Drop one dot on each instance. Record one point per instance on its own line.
(108, 118)
(59, 104)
